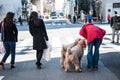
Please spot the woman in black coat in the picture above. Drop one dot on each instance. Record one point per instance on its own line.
(38, 31)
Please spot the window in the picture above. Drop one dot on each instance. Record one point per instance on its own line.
(116, 5)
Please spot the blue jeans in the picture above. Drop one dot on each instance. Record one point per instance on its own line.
(9, 48)
(93, 57)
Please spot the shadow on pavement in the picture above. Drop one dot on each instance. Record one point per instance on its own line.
(51, 70)
(112, 61)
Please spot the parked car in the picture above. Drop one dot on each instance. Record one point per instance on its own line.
(54, 15)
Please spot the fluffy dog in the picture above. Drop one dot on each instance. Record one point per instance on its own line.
(74, 56)
(64, 49)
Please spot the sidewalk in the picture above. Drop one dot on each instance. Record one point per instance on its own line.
(26, 69)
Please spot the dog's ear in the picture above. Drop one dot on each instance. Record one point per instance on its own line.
(63, 49)
(76, 41)
(84, 43)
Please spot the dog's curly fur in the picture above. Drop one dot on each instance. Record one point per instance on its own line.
(74, 55)
(64, 49)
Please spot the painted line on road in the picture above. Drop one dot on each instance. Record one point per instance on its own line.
(1, 77)
(56, 42)
(21, 46)
(109, 44)
(70, 39)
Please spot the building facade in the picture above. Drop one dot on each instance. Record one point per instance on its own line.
(108, 7)
(12, 5)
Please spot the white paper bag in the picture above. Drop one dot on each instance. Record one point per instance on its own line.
(2, 49)
(46, 53)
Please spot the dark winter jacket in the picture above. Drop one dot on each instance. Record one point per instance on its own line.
(39, 35)
(92, 32)
(10, 32)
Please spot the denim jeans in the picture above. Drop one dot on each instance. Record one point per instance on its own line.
(9, 48)
(93, 56)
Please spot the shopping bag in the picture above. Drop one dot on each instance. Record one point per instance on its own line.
(0, 37)
(46, 53)
(2, 49)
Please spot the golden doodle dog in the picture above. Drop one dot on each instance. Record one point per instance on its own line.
(74, 55)
(64, 49)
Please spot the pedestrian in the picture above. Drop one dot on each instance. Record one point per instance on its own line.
(20, 21)
(89, 18)
(100, 18)
(94, 36)
(74, 19)
(38, 31)
(109, 18)
(85, 19)
(114, 31)
(9, 37)
(69, 17)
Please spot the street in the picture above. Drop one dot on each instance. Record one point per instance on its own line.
(61, 33)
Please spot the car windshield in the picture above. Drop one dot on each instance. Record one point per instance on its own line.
(53, 14)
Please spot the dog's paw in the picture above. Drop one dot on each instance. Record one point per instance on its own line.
(62, 66)
(78, 70)
(66, 70)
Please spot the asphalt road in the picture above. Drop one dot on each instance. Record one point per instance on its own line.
(109, 67)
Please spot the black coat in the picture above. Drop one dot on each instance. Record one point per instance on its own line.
(39, 35)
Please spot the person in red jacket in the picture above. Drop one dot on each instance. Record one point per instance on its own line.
(94, 36)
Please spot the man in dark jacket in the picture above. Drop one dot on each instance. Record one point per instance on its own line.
(114, 31)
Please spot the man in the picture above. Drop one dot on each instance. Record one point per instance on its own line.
(114, 31)
(74, 19)
(94, 36)
(20, 20)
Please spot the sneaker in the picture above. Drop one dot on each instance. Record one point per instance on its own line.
(90, 69)
(2, 65)
(95, 67)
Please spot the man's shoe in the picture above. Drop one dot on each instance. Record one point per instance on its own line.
(90, 69)
(112, 42)
(117, 42)
(2, 65)
(95, 67)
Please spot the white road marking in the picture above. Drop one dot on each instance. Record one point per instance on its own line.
(23, 44)
(70, 39)
(1, 77)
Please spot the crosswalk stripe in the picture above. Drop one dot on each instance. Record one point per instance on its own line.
(23, 44)
(1, 77)
(70, 39)
(114, 46)
(57, 44)
(108, 43)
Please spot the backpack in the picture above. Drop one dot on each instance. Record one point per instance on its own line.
(116, 23)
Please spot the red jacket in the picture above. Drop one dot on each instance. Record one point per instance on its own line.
(91, 32)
